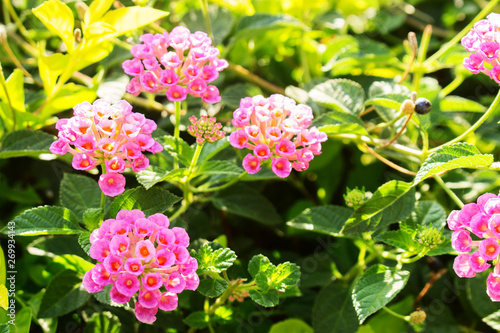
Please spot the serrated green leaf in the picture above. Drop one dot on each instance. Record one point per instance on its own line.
(267, 299)
(457, 104)
(326, 219)
(219, 168)
(335, 122)
(25, 143)
(385, 102)
(50, 67)
(429, 213)
(63, 295)
(291, 325)
(103, 321)
(155, 200)
(215, 260)
(283, 276)
(4, 328)
(339, 94)
(387, 97)
(245, 201)
(92, 218)
(376, 287)
(178, 147)
(258, 263)
(384, 198)
(212, 287)
(45, 220)
(399, 239)
(454, 156)
(74, 263)
(104, 297)
(333, 310)
(149, 178)
(79, 193)
(198, 320)
(84, 241)
(58, 18)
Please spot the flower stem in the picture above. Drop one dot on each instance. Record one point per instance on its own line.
(4, 87)
(197, 153)
(221, 187)
(206, 17)
(486, 10)
(395, 314)
(177, 131)
(448, 191)
(493, 107)
(247, 75)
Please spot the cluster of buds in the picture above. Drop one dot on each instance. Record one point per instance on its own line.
(109, 134)
(276, 128)
(141, 255)
(205, 129)
(186, 68)
(483, 220)
(483, 40)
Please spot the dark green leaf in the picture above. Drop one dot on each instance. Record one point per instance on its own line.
(339, 94)
(214, 260)
(149, 178)
(232, 95)
(104, 297)
(245, 201)
(335, 122)
(79, 193)
(212, 287)
(385, 196)
(399, 239)
(375, 288)
(46, 220)
(63, 295)
(220, 168)
(155, 200)
(387, 97)
(178, 147)
(25, 143)
(84, 241)
(267, 299)
(327, 219)
(454, 156)
(92, 218)
(333, 310)
(198, 319)
(430, 214)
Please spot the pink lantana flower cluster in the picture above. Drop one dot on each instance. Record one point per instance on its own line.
(276, 128)
(205, 129)
(476, 233)
(143, 256)
(107, 134)
(178, 64)
(483, 40)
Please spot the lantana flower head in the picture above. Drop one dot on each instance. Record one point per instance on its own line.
(177, 64)
(141, 258)
(476, 234)
(110, 135)
(205, 129)
(275, 129)
(483, 40)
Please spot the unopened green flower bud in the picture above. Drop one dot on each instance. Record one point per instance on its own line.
(417, 317)
(429, 236)
(355, 198)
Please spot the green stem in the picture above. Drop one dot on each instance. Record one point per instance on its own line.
(206, 17)
(422, 53)
(486, 10)
(221, 187)
(103, 201)
(359, 266)
(388, 124)
(493, 107)
(457, 81)
(448, 191)
(177, 131)
(19, 24)
(395, 314)
(303, 60)
(197, 153)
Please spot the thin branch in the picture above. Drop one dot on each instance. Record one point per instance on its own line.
(389, 163)
(246, 74)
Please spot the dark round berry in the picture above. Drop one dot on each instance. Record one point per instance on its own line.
(422, 105)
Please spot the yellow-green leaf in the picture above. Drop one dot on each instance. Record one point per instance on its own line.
(96, 10)
(58, 18)
(4, 297)
(15, 91)
(127, 19)
(50, 68)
